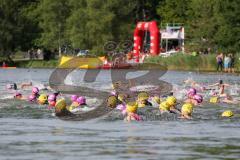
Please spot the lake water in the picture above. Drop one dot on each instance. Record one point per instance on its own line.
(29, 132)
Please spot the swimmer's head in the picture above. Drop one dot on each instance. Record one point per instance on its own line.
(18, 95)
(12, 86)
(198, 98)
(81, 100)
(112, 101)
(32, 98)
(35, 90)
(171, 100)
(74, 98)
(227, 113)
(191, 92)
(42, 99)
(132, 107)
(220, 81)
(52, 97)
(187, 109)
(143, 96)
(114, 93)
(121, 97)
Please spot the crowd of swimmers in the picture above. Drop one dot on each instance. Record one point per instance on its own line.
(119, 101)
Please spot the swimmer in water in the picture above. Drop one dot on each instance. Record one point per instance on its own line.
(229, 100)
(52, 98)
(169, 105)
(142, 100)
(12, 86)
(18, 95)
(193, 97)
(26, 85)
(192, 83)
(34, 95)
(131, 112)
(186, 111)
(220, 87)
(42, 99)
(196, 100)
(79, 105)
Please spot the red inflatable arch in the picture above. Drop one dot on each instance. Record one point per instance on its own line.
(139, 35)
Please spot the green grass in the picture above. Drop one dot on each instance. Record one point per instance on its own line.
(37, 64)
(181, 62)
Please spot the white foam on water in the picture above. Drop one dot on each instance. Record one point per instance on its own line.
(143, 88)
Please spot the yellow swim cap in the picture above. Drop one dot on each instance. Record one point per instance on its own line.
(227, 113)
(164, 106)
(171, 100)
(42, 99)
(143, 96)
(116, 85)
(132, 107)
(141, 104)
(70, 108)
(213, 100)
(121, 97)
(60, 104)
(187, 108)
(112, 101)
(156, 99)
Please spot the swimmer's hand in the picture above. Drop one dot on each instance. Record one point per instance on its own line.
(185, 117)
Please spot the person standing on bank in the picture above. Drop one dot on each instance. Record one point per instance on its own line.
(227, 61)
(219, 59)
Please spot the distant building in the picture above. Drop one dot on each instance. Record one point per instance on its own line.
(172, 38)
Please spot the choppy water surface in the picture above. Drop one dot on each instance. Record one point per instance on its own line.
(29, 131)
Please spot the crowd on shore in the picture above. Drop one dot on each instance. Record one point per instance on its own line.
(225, 62)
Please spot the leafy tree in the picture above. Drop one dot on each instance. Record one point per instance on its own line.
(52, 17)
(10, 25)
(173, 11)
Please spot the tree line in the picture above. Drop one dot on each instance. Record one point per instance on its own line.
(89, 24)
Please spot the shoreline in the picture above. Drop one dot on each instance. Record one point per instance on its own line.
(178, 62)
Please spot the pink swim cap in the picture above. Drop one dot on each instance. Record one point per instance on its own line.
(81, 100)
(74, 98)
(52, 97)
(32, 97)
(198, 98)
(191, 92)
(113, 93)
(121, 107)
(17, 94)
(35, 90)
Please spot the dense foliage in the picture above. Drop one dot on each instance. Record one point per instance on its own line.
(89, 24)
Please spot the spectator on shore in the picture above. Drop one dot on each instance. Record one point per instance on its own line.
(219, 59)
(30, 54)
(227, 61)
(232, 63)
(4, 64)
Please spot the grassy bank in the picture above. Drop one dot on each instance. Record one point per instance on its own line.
(184, 62)
(36, 64)
(180, 62)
